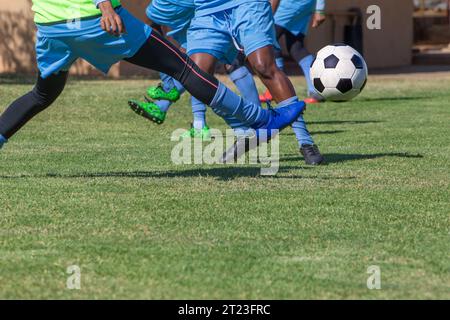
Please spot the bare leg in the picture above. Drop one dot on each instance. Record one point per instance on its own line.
(263, 62)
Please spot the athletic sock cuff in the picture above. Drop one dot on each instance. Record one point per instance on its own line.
(197, 106)
(239, 74)
(289, 101)
(218, 105)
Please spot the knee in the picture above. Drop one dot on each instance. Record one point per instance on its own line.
(266, 69)
(48, 90)
(43, 100)
(238, 63)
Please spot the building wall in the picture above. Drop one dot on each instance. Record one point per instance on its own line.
(16, 37)
(388, 47)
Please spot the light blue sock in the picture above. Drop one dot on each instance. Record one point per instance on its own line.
(244, 81)
(299, 126)
(163, 105)
(288, 101)
(246, 85)
(3, 140)
(168, 84)
(305, 64)
(199, 113)
(280, 63)
(236, 124)
(227, 103)
(301, 132)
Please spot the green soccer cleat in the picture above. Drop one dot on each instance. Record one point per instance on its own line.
(203, 134)
(158, 93)
(148, 110)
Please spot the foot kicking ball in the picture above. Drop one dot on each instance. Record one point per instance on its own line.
(339, 73)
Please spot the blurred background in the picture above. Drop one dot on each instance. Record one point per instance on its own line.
(413, 33)
(431, 32)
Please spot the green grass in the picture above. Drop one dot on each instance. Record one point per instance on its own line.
(89, 183)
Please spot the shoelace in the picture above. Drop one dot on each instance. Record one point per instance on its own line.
(311, 150)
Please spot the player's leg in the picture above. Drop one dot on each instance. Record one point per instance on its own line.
(160, 55)
(279, 61)
(304, 59)
(260, 47)
(292, 20)
(263, 62)
(209, 41)
(306, 143)
(162, 97)
(243, 79)
(199, 127)
(163, 13)
(44, 93)
(169, 90)
(54, 58)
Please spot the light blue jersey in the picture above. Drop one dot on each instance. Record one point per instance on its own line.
(183, 3)
(206, 7)
(176, 15)
(295, 15)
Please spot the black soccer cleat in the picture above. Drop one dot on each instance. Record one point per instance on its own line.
(312, 154)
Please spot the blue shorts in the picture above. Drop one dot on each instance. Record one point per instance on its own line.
(295, 15)
(176, 17)
(58, 51)
(248, 26)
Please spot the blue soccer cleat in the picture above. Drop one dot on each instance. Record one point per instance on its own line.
(279, 119)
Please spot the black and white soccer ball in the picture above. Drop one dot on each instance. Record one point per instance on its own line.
(339, 73)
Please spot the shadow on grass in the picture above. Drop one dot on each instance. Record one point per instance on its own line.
(341, 157)
(387, 99)
(225, 173)
(318, 132)
(331, 122)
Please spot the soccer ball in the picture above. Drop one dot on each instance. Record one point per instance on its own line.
(339, 73)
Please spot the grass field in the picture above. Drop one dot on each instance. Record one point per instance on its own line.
(89, 183)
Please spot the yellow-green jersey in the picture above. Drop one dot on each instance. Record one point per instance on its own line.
(54, 11)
